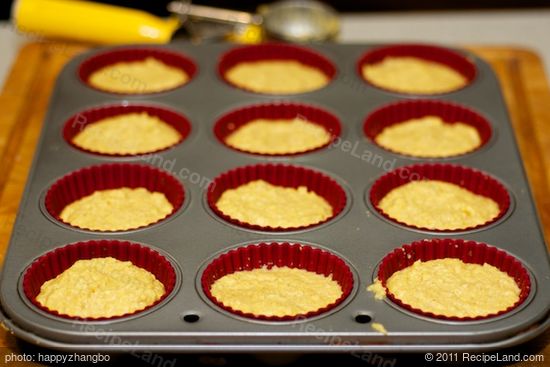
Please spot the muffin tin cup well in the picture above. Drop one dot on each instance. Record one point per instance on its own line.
(269, 255)
(437, 54)
(469, 252)
(473, 180)
(395, 113)
(233, 120)
(278, 175)
(78, 122)
(107, 58)
(55, 262)
(85, 181)
(274, 51)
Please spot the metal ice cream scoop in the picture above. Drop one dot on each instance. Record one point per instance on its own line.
(288, 20)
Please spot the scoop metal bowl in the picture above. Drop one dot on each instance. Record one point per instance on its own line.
(300, 21)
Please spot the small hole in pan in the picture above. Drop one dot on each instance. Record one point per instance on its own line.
(191, 318)
(363, 318)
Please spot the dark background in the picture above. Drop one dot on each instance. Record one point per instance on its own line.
(158, 6)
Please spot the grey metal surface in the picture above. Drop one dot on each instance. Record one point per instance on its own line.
(194, 235)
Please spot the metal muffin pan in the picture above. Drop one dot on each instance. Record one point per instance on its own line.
(188, 322)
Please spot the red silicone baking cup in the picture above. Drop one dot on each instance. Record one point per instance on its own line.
(79, 121)
(170, 58)
(432, 53)
(85, 181)
(468, 178)
(234, 120)
(279, 175)
(274, 51)
(296, 256)
(398, 112)
(469, 252)
(53, 263)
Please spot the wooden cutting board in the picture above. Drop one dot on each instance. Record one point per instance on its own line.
(28, 87)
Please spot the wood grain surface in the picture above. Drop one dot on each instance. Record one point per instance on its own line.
(26, 94)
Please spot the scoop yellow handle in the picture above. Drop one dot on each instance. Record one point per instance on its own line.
(91, 22)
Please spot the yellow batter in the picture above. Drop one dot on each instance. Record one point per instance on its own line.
(100, 287)
(117, 209)
(277, 77)
(438, 205)
(413, 75)
(279, 291)
(261, 203)
(132, 133)
(280, 136)
(429, 136)
(376, 326)
(377, 289)
(146, 76)
(450, 287)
